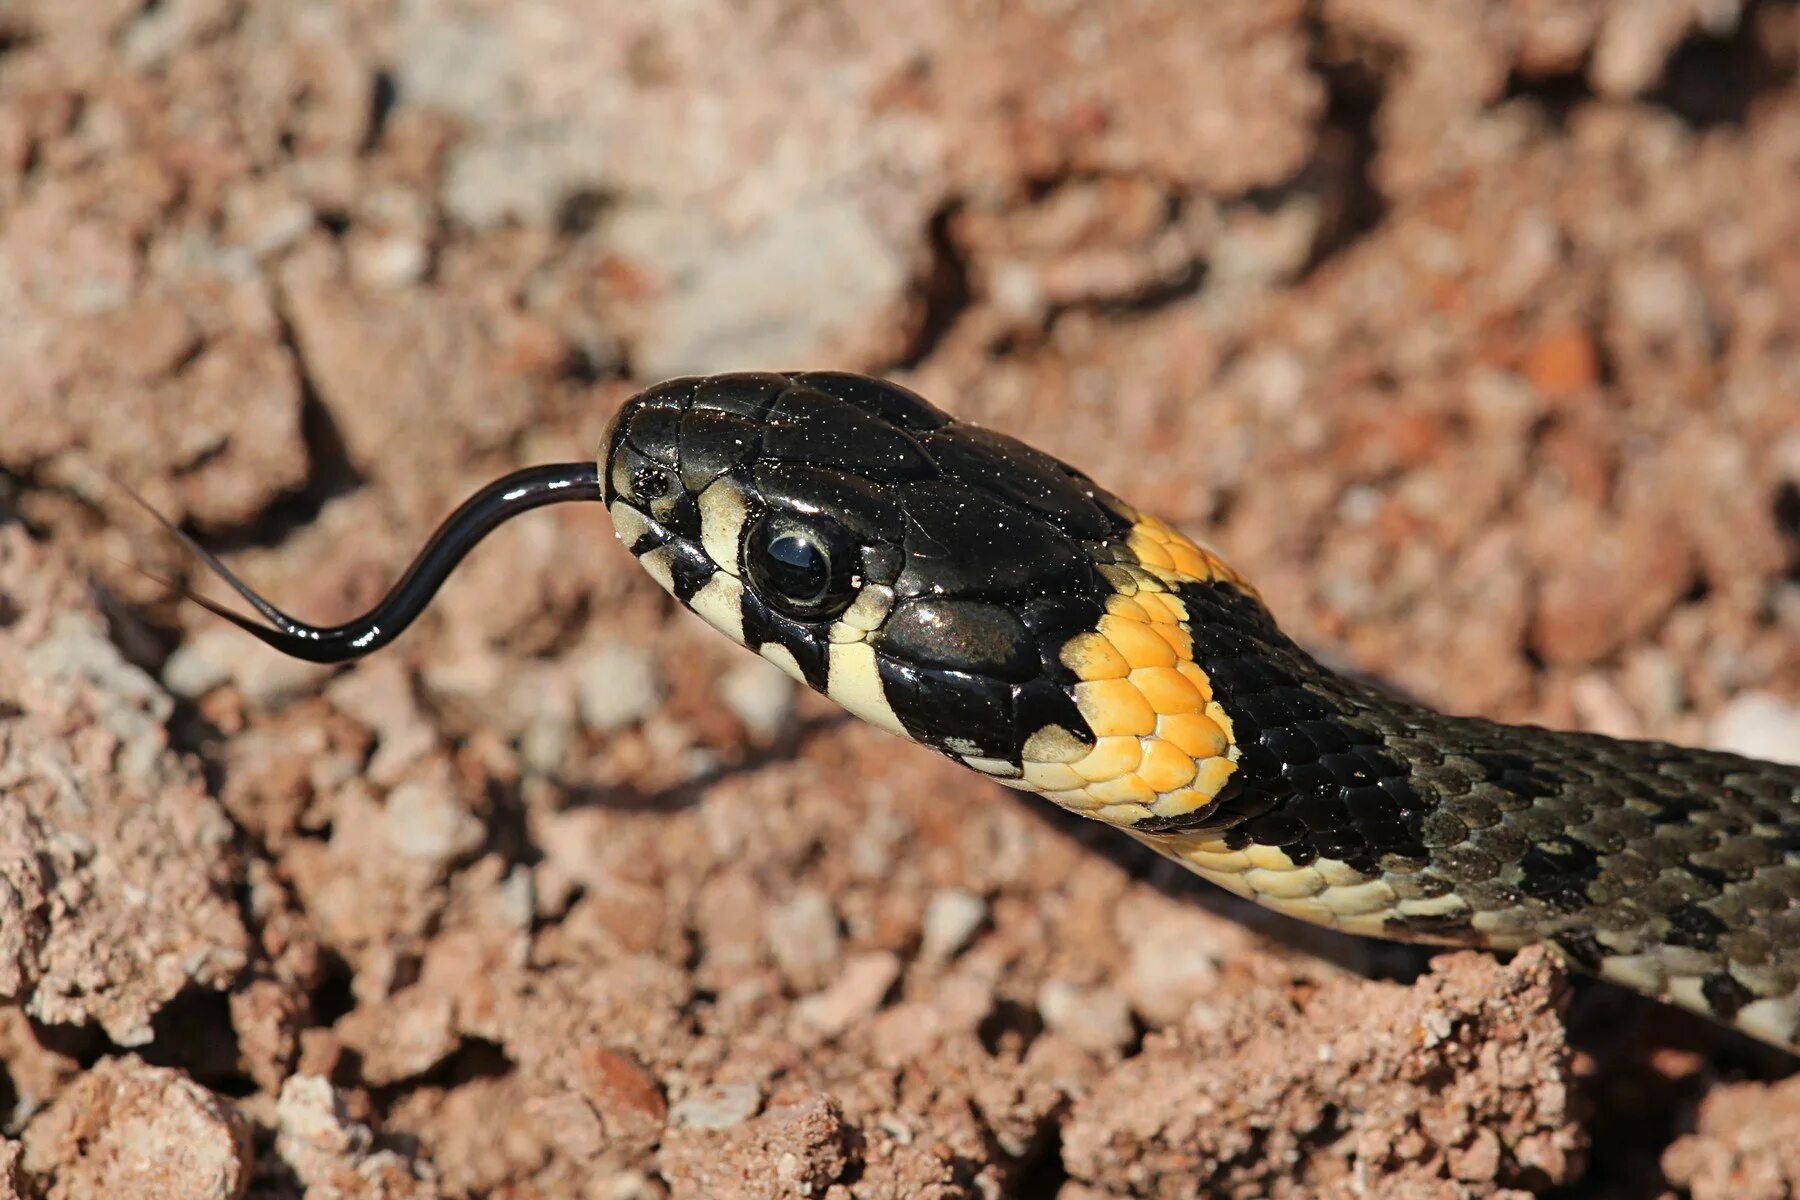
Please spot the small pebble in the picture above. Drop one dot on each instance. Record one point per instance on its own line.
(719, 1107)
(619, 686)
(759, 695)
(12, 1161)
(267, 681)
(1759, 725)
(872, 852)
(425, 821)
(191, 671)
(951, 919)
(318, 1140)
(380, 695)
(855, 996)
(401, 1037)
(1660, 298)
(1602, 709)
(390, 262)
(803, 937)
(1094, 1018)
(1652, 680)
(549, 726)
(1173, 964)
(629, 1185)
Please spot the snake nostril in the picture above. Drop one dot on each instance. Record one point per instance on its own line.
(650, 482)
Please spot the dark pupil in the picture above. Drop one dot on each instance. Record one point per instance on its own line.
(798, 566)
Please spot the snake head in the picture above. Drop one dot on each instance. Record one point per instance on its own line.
(918, 570)
(939, 580)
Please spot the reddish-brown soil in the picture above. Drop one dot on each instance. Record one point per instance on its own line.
(1470, 331)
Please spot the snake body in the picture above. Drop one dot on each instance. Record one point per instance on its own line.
(983, 599)
(978, 597)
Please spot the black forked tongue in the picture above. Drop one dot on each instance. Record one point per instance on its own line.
(499, 501)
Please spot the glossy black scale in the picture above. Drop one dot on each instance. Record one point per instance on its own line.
(950, 709)
(963, 635)
(1310, 779)
(714, 442)
(973, 455)
(1042, 703)
(748, 394)
(813, 427)
(878, 398)
(868, 510)
(961, 541)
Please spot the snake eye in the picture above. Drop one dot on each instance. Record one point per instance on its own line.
(806, 571)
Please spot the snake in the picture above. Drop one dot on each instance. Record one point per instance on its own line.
(974, 595)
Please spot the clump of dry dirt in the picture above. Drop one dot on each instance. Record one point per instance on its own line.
(1466, 330)
(1446, 1088)
(1744, 1144)
(127, 1129)
(116, 866)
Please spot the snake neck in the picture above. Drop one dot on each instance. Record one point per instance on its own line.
(1673, 871)
(1223, 745)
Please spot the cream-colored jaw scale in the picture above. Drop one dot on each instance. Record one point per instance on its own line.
(628, 523)
(723, 511)
(852, 677)
(854, 681)
(720, 603)
(784, 658)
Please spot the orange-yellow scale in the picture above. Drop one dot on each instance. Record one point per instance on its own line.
(1162, 746)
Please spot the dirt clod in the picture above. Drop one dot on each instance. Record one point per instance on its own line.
(1460, 1083)
(13, 1183)
(129, 1129)
(1745, 1145)
(331, 1154)
(797, 1149)
(116, 867)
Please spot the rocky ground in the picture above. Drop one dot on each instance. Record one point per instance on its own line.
(1470, 330)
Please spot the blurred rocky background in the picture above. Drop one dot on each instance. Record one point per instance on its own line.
(1469, 329)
